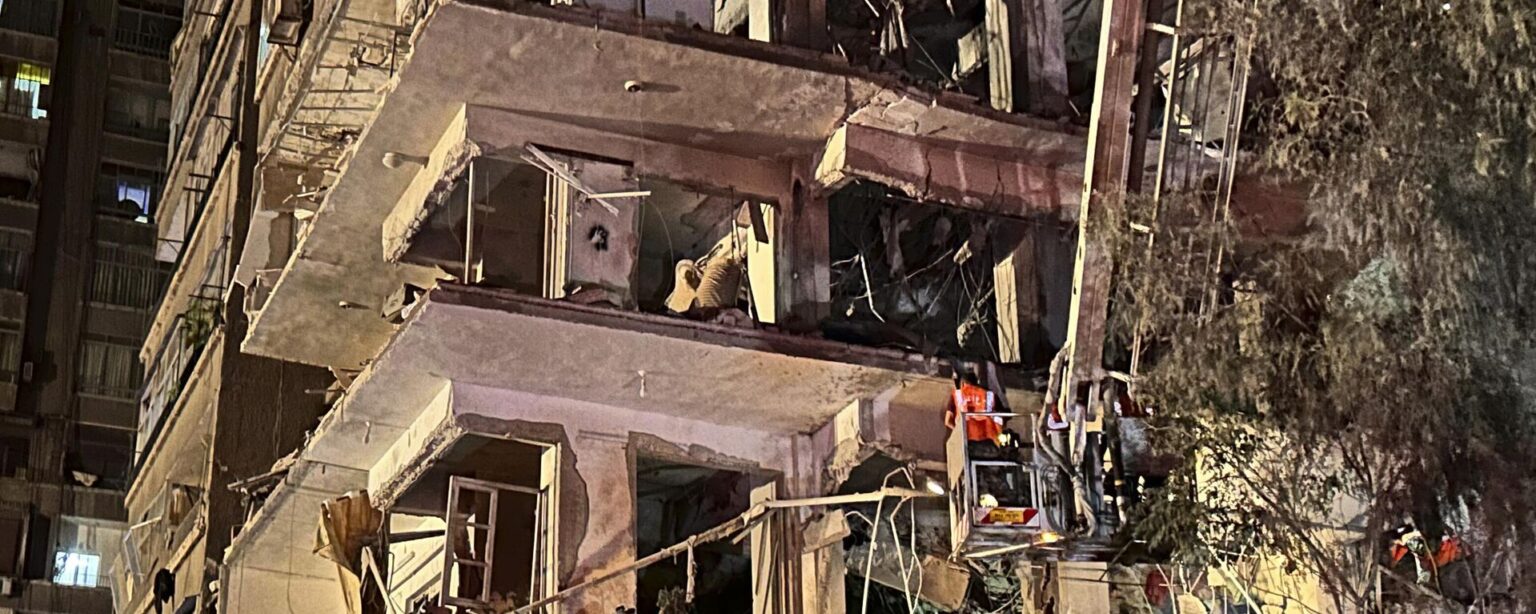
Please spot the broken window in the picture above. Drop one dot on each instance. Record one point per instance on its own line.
(471, 574)
(474, 531)
(675, 501)
(704, 256)
(588, 230)
(912, 275)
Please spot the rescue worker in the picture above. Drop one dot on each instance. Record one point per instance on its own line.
(984, 435)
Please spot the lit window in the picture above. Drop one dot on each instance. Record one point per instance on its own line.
(29, 82)
(135, 191)
(264, 48)
(76, 569)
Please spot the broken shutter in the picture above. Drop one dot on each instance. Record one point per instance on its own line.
(763, 555)
(545, 580)
(761, 263)
(959, 488)
(592, 245)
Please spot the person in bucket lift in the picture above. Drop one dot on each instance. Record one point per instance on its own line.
(984, 435)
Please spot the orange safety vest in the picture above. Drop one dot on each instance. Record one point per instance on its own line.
(973, 399)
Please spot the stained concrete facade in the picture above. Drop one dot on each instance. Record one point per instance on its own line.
(309, 182)
(600, 390)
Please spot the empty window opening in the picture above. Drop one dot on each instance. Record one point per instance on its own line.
(906, 570)
(701, 257)
(589, 231)
(675, 501)
(912, 275)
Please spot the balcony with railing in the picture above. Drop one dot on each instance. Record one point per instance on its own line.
(40, 17)
(169, 369)
(145, 32)
(169, 372)
(126, 277)
(15, 255)
(108, 370)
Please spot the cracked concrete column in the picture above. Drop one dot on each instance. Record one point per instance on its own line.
(603, 463)
(805, 276)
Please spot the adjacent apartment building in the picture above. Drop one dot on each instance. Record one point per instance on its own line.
(84, 116)
(483, 305)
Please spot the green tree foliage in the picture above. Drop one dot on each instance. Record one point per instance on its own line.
(1387, 358)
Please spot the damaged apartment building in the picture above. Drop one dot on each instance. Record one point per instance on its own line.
(499, 305)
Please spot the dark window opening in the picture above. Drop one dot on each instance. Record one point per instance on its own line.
(675, 501)
(40, 17)
(15, 188)
(912, 275)
(139, 112)
(101, 456)
(15, 455)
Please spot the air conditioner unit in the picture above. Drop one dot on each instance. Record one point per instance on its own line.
(288, 20)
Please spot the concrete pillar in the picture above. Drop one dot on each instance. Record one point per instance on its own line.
(604, 470)
(805, 277)
(64, 244)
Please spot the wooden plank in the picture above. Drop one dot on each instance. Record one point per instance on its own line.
(1026, 56)
(1104, 180)
(1016, 281)
(765, 556)
(762, 263)
(760, 21)
(1046, 58)
(956, 463)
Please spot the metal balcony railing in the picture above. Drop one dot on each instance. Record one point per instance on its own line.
(168, 371)
(13, 264)
(40, 17)
(145, 33)
(171, 367)
(127, 278)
